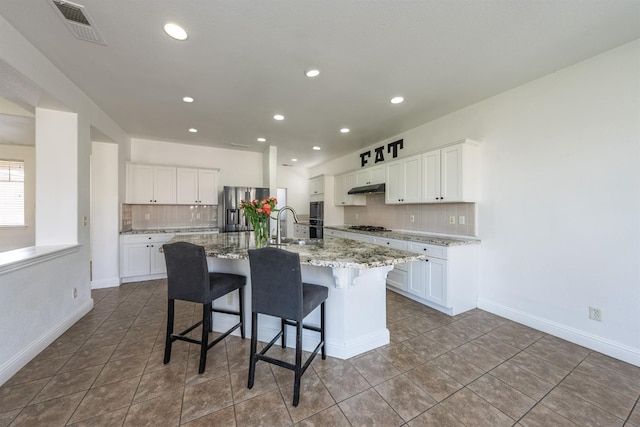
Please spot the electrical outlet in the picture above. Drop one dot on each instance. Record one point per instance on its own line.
(147, 216)
(198, 216)
(461, 220)
(75, 293)
(412, 218)
(452, 219)
(595, 314)
(229, 299)
(356, 216)
(84, 220)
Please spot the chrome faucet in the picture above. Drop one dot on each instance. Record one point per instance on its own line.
(295, 219)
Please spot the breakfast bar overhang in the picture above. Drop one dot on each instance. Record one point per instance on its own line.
(354, 272)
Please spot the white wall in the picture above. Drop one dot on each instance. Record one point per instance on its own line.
(237, 168)
(105, 208)
(559, 215)
(20, 237)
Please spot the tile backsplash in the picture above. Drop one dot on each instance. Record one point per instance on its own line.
(144, 217)
(431, 218)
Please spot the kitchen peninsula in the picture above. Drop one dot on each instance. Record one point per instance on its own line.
(354, 272)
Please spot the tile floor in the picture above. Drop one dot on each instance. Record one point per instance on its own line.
(475, 369)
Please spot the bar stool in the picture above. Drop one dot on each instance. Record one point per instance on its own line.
(277, 290)
(189, 279)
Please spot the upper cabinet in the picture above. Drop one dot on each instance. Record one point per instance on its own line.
(151, 184)
(316, 185)
(197, 186)
(344, 183)
(169, 185)
(404, 181)
(449, 174)
(370, 176)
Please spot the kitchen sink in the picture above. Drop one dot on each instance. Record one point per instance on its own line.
(287, 241)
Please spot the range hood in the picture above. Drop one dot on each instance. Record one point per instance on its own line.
(367, 189)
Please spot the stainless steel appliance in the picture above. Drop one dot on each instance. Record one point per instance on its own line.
(234, 217)
(316, 218)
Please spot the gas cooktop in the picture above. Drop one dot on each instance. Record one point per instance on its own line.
(367, 228)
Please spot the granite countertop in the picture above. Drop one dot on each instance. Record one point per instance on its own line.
(330, 252)
(173, 230)
(431, 239)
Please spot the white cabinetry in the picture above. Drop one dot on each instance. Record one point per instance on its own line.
(344, 183)
(141, 258)
(366, 238)
(370, 176)
(334, 233)
(151, 184)
(404, 181)
(447, 280)
(197, 186)
(398, 277)
(449, 174)
(316, 185)
(301, 231)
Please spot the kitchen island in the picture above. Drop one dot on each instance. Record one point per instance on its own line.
(354, 272)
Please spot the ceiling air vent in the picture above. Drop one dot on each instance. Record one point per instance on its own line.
(78, 21)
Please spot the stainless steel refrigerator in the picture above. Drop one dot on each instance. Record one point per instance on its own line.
(234, 217)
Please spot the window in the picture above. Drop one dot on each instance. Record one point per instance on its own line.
(11, 192)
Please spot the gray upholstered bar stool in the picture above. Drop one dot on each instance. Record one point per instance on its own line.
(277, 290)
(189, 279)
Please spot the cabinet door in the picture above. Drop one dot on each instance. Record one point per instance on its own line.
(187, 186)
(393, 182)
(339, 191)
(139, 184)
(316, 185)
(418, 278)
(431, 176)
(363, 177)
(135, 259)
(156, 259)
(412, 177)
(352, 199)
(451, 174)
(435, 274)
(377, 175)
(208, 186)
(164, 185)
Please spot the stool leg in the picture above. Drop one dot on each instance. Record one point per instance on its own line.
(298, 369)
(241, 296)
(324, 344)
(168, 340)
(254, 347)
(284, 334)
(204, 343)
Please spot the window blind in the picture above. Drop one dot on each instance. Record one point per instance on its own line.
(11, 193)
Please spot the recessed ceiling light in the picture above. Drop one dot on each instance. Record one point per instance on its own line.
(175, 31)
(312, 72)
(315, 147)
(397, 100)
(278, 117)
(193, 130)
(294, 160)
(261, 139)
(187, 99)
(345, 130)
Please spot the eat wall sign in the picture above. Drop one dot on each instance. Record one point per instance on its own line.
(392, 147)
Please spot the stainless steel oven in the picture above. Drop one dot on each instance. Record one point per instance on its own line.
(316, 218)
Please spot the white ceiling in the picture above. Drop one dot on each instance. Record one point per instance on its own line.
(244, 61)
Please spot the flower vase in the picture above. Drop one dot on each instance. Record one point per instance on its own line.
(261, 232)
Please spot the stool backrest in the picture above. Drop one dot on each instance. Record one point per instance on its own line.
(276, 283)
(187, 271)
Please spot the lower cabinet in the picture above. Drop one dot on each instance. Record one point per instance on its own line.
(141, 258)
(446, 281)
(301, 231)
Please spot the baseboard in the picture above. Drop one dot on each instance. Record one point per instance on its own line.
(19, 360)
(576, 336)
(105, 283)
